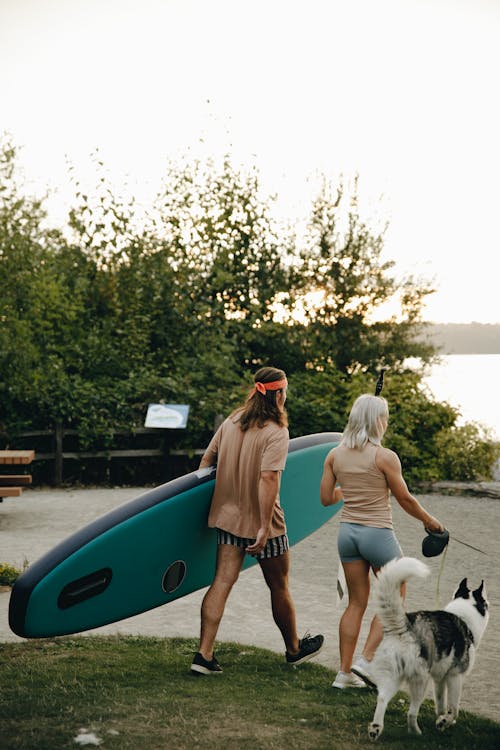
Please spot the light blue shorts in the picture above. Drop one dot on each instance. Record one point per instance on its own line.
(358, 542)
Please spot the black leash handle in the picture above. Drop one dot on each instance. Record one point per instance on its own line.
(442, 540)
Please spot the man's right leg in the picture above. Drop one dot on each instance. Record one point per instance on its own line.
(228, 566)
(275, 571)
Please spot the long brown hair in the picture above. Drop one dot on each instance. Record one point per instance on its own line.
(262, 407)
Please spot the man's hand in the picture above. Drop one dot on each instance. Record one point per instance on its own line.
(269, 484)
(259, 544)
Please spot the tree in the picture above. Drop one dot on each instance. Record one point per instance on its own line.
(35, 307)
(118, 310)
(227, 252)
(342, 265)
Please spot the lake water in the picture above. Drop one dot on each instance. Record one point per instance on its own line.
(470, 382)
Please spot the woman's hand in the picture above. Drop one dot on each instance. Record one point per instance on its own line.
(432, 524)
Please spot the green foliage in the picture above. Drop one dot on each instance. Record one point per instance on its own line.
(342, 261)
(179, 304)
(317, 401)
(466, 453)
(421, 431)
(416, 423)
(8, 574)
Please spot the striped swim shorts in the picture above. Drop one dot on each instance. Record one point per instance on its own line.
(275, 547)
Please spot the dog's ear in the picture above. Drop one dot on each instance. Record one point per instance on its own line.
(480, 600)
(463, 591)
(478, 593)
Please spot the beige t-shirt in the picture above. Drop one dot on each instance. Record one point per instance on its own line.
(240, 458)
(364, 487)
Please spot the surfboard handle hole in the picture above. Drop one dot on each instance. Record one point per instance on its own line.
(84, 588)
(173, 576)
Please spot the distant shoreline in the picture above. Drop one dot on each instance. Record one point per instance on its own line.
(464, 338)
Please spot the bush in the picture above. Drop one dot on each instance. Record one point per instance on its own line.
(8, 574)
(467, 453)
(422, 431)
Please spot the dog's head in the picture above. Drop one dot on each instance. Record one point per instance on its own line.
(477, 597)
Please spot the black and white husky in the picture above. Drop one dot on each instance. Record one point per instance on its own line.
(441, 644)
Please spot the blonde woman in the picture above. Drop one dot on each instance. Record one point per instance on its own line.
(363, 473)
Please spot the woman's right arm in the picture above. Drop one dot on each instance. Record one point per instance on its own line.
(388, 462)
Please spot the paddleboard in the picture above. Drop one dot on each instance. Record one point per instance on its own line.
(152, 550)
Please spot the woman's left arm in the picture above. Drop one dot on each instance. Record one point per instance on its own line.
(329, 494)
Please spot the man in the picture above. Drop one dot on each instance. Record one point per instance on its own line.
(250, 449)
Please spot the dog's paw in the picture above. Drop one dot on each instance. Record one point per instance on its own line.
(444, 721)
(374, 731)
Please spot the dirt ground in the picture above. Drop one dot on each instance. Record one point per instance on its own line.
(33, 523)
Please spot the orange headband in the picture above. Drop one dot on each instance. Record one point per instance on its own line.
(263, 387)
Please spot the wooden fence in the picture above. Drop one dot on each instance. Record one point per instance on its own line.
(52, 446)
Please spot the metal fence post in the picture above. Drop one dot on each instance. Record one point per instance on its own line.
(58, 459)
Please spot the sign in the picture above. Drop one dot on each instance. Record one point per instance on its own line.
(170, 416)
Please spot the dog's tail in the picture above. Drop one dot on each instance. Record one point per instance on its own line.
(388, 602)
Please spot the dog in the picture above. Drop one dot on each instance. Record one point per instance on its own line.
(417, 646)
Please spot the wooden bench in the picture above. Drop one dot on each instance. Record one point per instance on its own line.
(11, 485)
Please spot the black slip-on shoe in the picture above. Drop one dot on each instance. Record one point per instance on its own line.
(202, 666)
(309, 646)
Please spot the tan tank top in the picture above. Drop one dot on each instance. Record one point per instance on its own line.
(364, 487)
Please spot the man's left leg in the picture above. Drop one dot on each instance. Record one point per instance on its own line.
(228, 566)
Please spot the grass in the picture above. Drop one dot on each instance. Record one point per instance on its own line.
(136, 692)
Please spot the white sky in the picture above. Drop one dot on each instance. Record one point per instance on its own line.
(404, 92)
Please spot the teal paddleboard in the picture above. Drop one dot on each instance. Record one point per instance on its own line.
(152, 550)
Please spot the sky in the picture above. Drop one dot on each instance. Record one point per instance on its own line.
(403, 93)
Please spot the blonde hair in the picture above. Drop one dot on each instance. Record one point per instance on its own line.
(365, 421)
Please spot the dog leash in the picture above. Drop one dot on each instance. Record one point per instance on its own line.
(468, 545)
(437, 541)
(441, 568)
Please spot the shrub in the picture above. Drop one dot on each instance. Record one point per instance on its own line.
(8, 574)
(467, 453)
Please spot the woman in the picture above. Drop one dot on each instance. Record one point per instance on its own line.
(363, 473)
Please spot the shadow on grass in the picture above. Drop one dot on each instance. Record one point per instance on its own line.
(136, 692)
